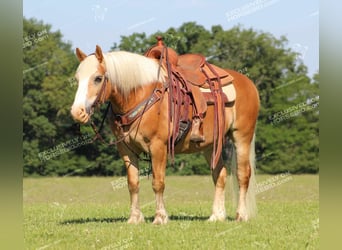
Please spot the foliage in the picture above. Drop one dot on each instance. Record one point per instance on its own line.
(48, 91)
(290, 144)
(287, 131)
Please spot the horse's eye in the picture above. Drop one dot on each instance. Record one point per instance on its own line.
(98, 79)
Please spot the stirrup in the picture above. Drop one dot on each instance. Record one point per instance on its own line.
(196, 135)
(197, 138)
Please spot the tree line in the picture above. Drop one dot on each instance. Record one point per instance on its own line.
(287, 129)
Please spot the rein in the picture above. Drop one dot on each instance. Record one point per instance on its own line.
(96, 103)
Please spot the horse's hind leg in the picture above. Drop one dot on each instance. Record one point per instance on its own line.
(246, 205)
(131, 163)
(219, 175)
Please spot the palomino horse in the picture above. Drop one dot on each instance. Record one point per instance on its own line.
(126, 80)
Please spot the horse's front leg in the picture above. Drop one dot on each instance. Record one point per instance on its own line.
(131, 163)
(159, 159)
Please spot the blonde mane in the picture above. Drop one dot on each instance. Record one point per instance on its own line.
(128, 71)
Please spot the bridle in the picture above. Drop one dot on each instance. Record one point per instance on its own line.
(102, 92)
(100, 98)
(122, 119)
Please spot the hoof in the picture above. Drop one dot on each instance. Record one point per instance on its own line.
(214, 218)
(240, 217)
(136, 219)
(160, 219)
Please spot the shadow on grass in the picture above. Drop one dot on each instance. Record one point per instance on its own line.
(147, 219)
(188, 218)
(193, 218)
(92, 220)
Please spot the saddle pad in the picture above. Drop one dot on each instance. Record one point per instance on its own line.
(229, 90)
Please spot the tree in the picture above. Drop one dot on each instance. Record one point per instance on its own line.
(287, 130)
(52, 143)
(47, 64)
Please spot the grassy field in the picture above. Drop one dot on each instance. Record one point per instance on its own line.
(91, 213)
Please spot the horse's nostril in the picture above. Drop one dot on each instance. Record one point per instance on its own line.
(81, 111)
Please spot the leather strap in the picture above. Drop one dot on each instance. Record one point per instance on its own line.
(219, 115)
(129, 117)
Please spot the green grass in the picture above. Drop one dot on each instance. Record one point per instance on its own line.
(91, 213)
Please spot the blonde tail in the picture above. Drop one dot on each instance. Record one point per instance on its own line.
(251, 192)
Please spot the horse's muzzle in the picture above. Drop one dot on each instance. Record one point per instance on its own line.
(80, 114)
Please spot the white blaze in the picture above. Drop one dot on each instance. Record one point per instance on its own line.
(85, 70)
(81, 94)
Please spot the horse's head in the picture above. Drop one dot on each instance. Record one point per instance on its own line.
(92, 84)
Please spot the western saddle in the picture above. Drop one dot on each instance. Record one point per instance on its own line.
(186, 75)
(191, 66)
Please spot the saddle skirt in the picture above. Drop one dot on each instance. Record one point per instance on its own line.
(196, 71)
(230, 94)
(193, 67)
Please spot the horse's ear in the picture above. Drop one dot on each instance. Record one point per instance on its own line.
(80, 55)
(99, 54)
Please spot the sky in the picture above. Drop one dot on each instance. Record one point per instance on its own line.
(90, 22)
